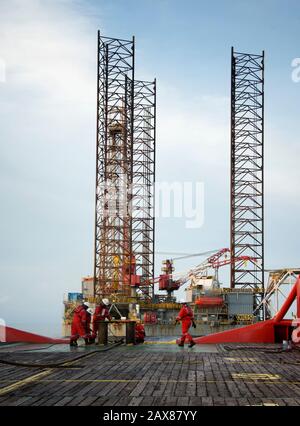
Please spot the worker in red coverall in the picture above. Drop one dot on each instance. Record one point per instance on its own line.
(139, 332)
(101, 314)
(80, 325)
(89, 314)
(186, 317)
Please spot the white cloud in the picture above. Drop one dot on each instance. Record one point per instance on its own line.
(48, 50)
(47, 118)
(194, 129)
(282, 175)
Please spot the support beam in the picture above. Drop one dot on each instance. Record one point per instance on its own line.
(247, 169)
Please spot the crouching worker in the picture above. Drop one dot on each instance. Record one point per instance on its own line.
(101, 314)
(186, 317)
(80, 325)
(139, 332)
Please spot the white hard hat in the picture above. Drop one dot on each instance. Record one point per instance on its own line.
(105, 302)
(86, 304)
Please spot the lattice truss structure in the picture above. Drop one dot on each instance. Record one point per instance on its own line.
(279, 285)
(247, 169)
(143, 181)
(125, 172)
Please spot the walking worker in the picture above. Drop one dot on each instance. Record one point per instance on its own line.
(80, 325)
(101, 314)
(186, 316)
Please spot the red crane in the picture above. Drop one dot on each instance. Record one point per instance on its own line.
(168, 281)
(215, 261)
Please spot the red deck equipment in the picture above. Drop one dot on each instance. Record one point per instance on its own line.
(209, 301)
(274, 330)
(13, 335)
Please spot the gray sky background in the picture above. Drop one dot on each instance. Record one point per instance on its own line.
(48, 121)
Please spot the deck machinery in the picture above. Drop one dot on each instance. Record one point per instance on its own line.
(212, 304)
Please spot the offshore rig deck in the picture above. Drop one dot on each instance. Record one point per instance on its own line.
(126, 188)
(157, 373)
(254, 367)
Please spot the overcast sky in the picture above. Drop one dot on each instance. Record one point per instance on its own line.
(48, 121)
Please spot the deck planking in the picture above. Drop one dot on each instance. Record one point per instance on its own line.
(138, 377)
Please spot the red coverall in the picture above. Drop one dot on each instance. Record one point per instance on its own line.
(139, 333)
(101, 313)
(88, 322)
(186, 317)
(79, 324)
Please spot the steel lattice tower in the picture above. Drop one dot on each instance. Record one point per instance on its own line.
(143, 181)
(247, 169)
(124, 217)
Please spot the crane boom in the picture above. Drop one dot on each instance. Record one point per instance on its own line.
(170, 281)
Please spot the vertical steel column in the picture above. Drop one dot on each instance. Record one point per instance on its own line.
(125, 169)
(143, 182)
(114, 166)
(247, 169)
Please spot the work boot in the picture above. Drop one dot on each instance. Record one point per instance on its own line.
(73, 343)
(192, 344)
(181, 345)
(87, 342)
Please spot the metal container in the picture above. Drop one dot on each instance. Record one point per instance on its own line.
(87, 286)
(74, 297)
(206, 301)
(240, 303)
(147, 317)
(153, 318)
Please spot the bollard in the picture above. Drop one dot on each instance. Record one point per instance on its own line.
(130, 333)
(103, 333)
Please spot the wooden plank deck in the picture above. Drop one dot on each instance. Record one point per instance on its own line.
(159, 377)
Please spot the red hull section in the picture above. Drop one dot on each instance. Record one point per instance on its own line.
(262, 332)
(13, 335)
